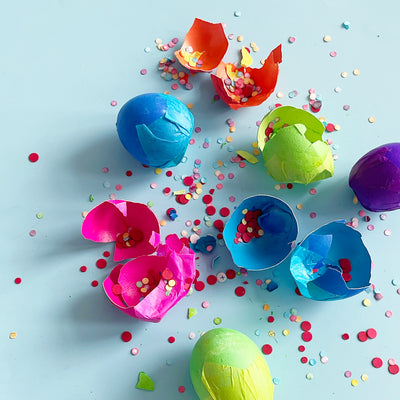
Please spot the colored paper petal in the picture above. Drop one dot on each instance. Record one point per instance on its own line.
(168, 276)
(273, 232)
(111, 219)
(315, 263)
(291, 142)
(375, 178)
(204, 46)
(246, 60)
(265, 78)
(155, 128)
(144, 382)
(227, 365)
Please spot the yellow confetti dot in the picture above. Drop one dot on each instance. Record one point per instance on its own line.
(299, 206)
(256, 152)
(199, 191)
(232, 129)
(84, 213)
(364, 377)
(262, 61)
(337, 127)
(344, 74)
(277, 187)
(195, 196)
(220, 163)
(355, 200)
(166, 92)
(271, 333)
(285, 332)
(13, 335)
(255, 49)
(158, 171)
(190, 106)
(322, 119)
(354, 382)
(254, 144)
(252, 44)
(199, 185)
(356, 72)
(366, 302)
(184, 233)
(159, 41)
(188, 196)
(298, 318)
(229, 139)
(327, 38)
(240, 38)
(266, 307)
(244, 211)
(217, 321)
(371, 120)
(163, 222)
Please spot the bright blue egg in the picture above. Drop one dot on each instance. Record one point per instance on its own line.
(155, 128)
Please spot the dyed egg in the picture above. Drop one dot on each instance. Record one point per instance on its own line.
(375, 178)
(227, 365)
(155, 128)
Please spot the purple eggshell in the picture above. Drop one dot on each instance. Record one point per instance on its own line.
(375, 178)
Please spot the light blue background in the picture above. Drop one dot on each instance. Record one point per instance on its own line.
(63, 62)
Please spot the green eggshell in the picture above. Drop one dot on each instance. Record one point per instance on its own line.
(227, 365)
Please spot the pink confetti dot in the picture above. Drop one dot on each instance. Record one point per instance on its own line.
(114, 103)
(232, 199)
(347, 374)
(388, 314)
(153, 185)
(346, 107)
(231, 36)
(197, 129)
(205, 304)
(192, 141)
(104, 170)
(32, 233)
(181, 389)
(174, 86)
(392, 361)
(113, 196)
(231, 175)
(219, 186)
(361, 213)
(135, 351)
(333, 54)
(143, 71)
(313, 215)
(118, 187)
(242, 164)
(292, 318)
(387, 232)
(292, 39)
(313, 191)
(370, 227)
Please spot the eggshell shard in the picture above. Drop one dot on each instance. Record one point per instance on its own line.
(375, 178)
(293, 150)
(206, 39)
(155, 129)
(317, 263)
(265, 77)
(227, 365)
(278, 227)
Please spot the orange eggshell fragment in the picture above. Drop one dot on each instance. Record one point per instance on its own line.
(264, 77)
(206, 38)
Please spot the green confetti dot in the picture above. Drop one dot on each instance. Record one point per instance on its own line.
(310, 376)
(39, 215)
(150, 204)
(91, 198)
(217, 320)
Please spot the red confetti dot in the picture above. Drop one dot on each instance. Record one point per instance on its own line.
(207, 199)
(188, 180)
(301, 348)
(83, 268)
(95, 283)
(270, 319)
(230, 274)
(345, 336)
(371, 333)
(128, 173)
(199, 286)
(266, 349)
(362, 336)
(377, 362)
(306, 326)
(345, 264)
(304, 360)
(289, 185)
(211, 279)
(224, 211)
(116, 289)
(220, 236)
(106, 254)
(17, 280)
(171, 339)
(219, 224)
(101, 263)
(211, 191)
(297, 291)
(33, 157)
(197, 222)
(126, 336)
(240, 291)
(346, 277)
(197, 274)
(330, 127)
(393, 369)
(181, 389)
(210, 210)
(306, 336)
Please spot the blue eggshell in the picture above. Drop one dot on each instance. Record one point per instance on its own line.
(280, 231)
(314, 263)
(155, 129)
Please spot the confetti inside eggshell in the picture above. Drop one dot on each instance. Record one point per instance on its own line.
(131, 225)
(227, 365)
(149, 286)
(375, 178)
(264, 78)
(331, 263)
(155, 129)
(261, 232)
(293, 150)
(204, 46)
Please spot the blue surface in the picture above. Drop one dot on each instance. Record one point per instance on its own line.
(62, 64)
